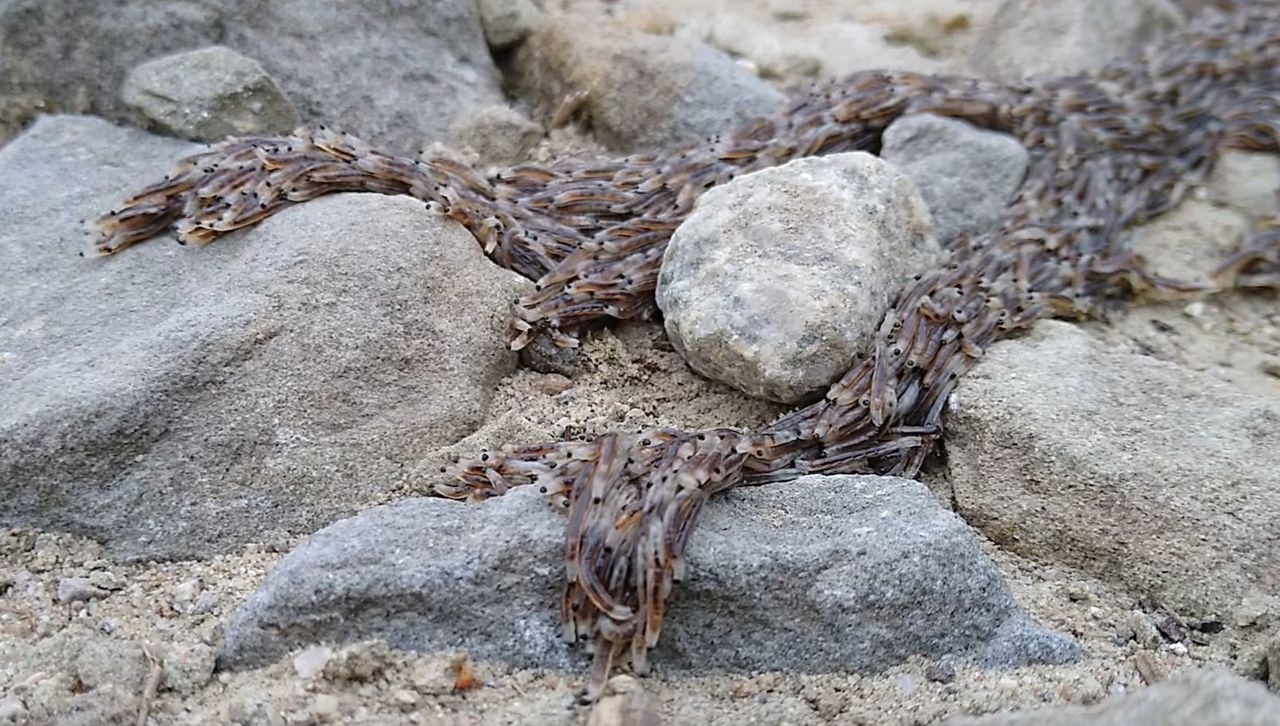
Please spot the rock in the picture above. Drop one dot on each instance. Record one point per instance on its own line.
(187, 667)
(185, 594)
(816, 42)
(78, 589)
(110, 705)
(966, 176)
(105, 661)
(641, 91)
(1247, 181)
(633, 708)
(940, 672)
(1272, 651)
(778, 279)
(177, 403)
(1190, 241)
(1144, 631)
(358, 662)
(831, 573)
(1208, 697)
(1061, 37)
(106, 580)
(498, 135)
(430, 60)
(12, 710)
(1067, 450)
(208, 95)
(507, 22)
(311, 662)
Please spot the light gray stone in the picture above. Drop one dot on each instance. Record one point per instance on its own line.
(1061, 37)
(507, 22)
(180, 402)
(790, 43)
(1209, 697)
(642, 91)
(187, 666)
(12, 710)
(78, 589)
(105, 661)
(392, 72)
(778, 279)
(499, 135)
(820, 574)
(966, 175)
(1162, 480)
(208, 95)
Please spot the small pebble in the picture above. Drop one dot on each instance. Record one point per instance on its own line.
(106, 579)
(12, 710)
(406, 699)
(1144, 631)
(625, 709)
(1178, 649)
(325, 707)
(77, 589)
(1078, 593)
(311, 662)
(185, 593)
(188, 666)
(205, 603)
(940, 672)
(907, 685)
(552, 383)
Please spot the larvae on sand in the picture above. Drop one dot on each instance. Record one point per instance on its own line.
(1109, 149)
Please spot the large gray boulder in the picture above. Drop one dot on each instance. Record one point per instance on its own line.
(966, 176)
(778, 279)
(1160, 479)
(1209, 697)
(395, 73)
(820, 574)
(639, 91)
(178, 402)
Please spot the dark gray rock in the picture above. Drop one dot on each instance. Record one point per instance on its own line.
(180, 402)
(820, 574)
(395, 73)
(641, 91)
(966, 175)
(208, 95)
(1209, 697)
(1068, 449)
(778, 279)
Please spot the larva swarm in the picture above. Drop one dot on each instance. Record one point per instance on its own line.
(1109, 149)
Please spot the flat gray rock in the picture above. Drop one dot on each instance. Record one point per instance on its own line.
(1142, 473)
(966, 176)
(177, 402)
(394, 73)
(820, 574)
(778, 279)
(1209, 697)
(208, 95)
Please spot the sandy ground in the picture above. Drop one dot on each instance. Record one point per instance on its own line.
(633, 379)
